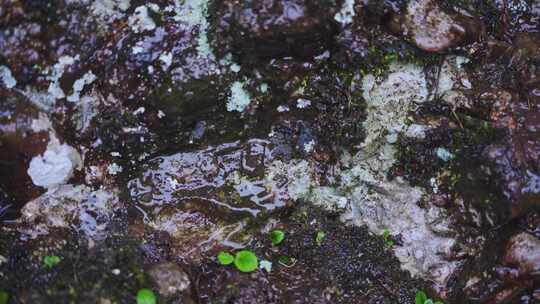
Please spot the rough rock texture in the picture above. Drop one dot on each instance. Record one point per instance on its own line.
(170, 278)
(20, 141)
(433, 30)
(70, 207)
(523, 253)
(268, 29)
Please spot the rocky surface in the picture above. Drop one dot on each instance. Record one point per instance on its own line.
(139, 139)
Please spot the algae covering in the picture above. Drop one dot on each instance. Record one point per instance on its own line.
(332, 151)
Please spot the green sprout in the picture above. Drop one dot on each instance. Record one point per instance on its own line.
(277, 236)
(4, 297)
(286, 261)
(319, 237)
(146, 296)
(421, 298)
(386, 238)
(246, 261)
(225, 258)
(51, 260)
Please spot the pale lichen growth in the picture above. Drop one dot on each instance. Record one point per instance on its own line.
(109, 10)
(239, 99)
(346, 14)
(194, 14)
(166, 59)
(114, 169)
(57, 164)
(79, 84)
(57, 71)
(365, 195)
(6, 77)
(141, 21)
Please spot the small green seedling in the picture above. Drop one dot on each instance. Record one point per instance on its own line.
(277, 236)
(51, 260)
(146, 296)
(246, 261)
(386, 238)
(319, 237)
(225, 258)
(421, 298)
(4, 297)
(286, 261)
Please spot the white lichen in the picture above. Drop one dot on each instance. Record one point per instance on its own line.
(6, 77)
(346, 14)
(302, 103)
(309, 146)
(109, 10)
(114, 169)
(239, 98)
(79, 84)
(263, 88)
(194, 14)
(141, 21)
(57, 164)
(235, 67)
(166, 59)
(57, 71)
(444, 154)
(54, 167)
(282, 109)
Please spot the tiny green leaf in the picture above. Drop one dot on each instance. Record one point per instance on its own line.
(428, 301)
(386, 233)
(225, 258)
(283, 259)
(277, 236)
(420, 298)
(146, 296)
(4, 297)
(246, 261)
(51, 260)
(319, 237)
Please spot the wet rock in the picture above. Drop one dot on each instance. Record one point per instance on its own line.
(267, 29)
(21, 139)
(192, 233)
(170, 278)
(430, 28)
(523, 253)
(203, 198)
(68, 206)
(216, 175)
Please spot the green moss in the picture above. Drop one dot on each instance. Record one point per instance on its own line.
(146, 296)
(50, 261)
(225, 258)
(277, 236)
(4, 297)
(246, 261)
